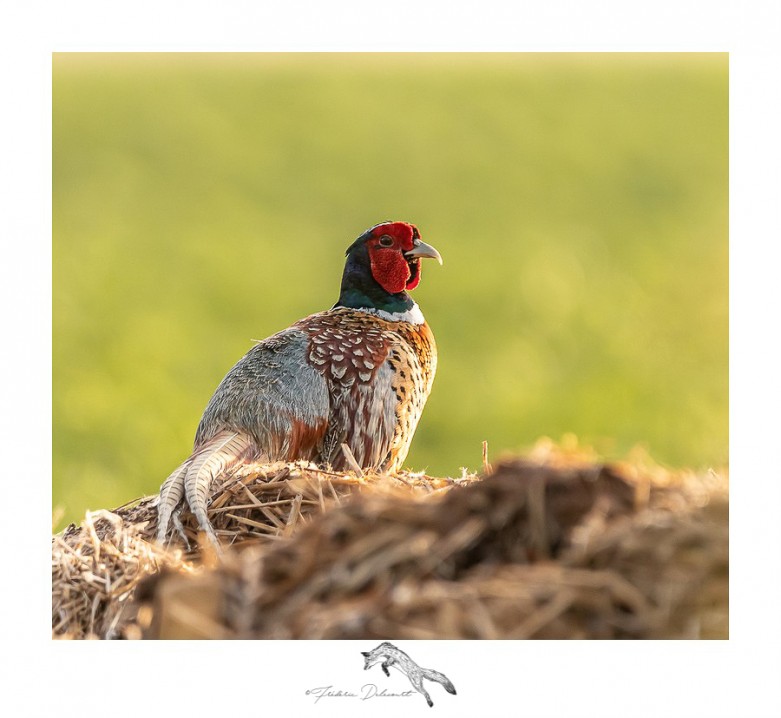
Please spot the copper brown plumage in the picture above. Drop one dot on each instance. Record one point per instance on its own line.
(358, 374)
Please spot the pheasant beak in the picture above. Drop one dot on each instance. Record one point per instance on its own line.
(421, 249)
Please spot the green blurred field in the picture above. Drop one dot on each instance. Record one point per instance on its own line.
(579, 202)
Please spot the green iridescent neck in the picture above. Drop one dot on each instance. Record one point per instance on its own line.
(361, 291)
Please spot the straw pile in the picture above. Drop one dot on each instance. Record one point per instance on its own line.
(97, 566)
(555, 545)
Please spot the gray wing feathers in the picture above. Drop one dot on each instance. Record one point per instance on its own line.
(268, 389)
(257, 410)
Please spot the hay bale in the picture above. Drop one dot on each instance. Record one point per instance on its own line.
(95, 571)
(97, 566)
(547, 547)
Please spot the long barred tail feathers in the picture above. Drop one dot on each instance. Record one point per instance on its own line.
(194, 478)
(171, 493)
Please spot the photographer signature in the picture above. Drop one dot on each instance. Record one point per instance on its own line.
(368, 690)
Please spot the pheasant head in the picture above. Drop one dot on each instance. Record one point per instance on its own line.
(383, 264)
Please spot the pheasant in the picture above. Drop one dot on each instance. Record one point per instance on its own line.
(357, 374)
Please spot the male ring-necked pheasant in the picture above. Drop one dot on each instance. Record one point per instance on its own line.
(357, 374)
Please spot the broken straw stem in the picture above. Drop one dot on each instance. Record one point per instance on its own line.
(348, 454)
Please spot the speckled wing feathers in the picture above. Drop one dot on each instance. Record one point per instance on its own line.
(379, 374)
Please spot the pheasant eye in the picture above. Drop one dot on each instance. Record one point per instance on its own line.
(386, 241)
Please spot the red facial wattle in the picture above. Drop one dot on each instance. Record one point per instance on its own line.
(414, 268)
(395, 250)
(390, 269)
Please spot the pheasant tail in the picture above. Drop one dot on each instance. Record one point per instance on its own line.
(171, 493)
(223, 451)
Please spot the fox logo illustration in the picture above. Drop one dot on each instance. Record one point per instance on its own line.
(392, 656)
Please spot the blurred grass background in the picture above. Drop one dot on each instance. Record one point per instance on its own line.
(579, 201)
